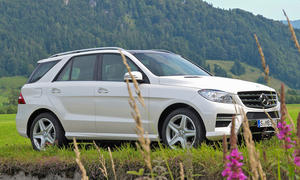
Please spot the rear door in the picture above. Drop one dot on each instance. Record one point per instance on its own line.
(72, 94)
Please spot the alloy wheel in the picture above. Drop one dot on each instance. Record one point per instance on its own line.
(181, 131)
(43, 133)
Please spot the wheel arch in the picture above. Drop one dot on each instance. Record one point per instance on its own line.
(173, 107)
(35, 114)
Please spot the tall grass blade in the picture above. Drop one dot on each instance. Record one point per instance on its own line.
(263, 61)
(181, 171)
(165, 160)
(255, 164)
(225, 149)
(274, 125)
(283, 109)
(102, 161)
(112, 163)
(278, 168)
(294, 37)
(78, 161)
(144, 142)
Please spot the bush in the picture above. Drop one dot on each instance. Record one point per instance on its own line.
(219, 71)
(2, 110)
(11, 109)
(261, 80)
(238, 69)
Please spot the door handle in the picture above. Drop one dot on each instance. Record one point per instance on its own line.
(102, 91)
(55, 91)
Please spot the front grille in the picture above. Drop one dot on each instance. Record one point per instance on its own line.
(262, 115)
(258, 99)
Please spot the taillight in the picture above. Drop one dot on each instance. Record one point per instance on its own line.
(21, 99)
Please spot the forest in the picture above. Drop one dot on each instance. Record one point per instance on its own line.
(32, 30)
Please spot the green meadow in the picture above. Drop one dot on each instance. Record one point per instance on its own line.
(16, 154)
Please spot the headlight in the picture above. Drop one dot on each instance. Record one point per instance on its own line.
(216, 96)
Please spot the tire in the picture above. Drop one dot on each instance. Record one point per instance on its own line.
(176, 133)
(46, 130)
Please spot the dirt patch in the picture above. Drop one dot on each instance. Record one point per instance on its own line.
(23, 176)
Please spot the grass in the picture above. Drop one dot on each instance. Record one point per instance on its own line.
(17, 154)
(293, 109)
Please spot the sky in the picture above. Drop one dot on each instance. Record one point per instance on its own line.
(271, 9)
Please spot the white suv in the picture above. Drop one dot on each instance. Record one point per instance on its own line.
(82, 94)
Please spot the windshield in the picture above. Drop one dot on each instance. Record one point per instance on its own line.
(166, 64)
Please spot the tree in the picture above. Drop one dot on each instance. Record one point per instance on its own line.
(237, 68)
(219, 71)
(261, 80)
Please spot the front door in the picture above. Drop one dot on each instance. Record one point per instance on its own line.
(113, 113)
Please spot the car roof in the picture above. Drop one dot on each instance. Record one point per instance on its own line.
(59, 56)
(149, 51)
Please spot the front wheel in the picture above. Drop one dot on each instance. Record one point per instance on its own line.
(45, 130)
(183, 128)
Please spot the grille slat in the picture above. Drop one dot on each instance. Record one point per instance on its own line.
(254, 99)
(251, 100)
(262, 115)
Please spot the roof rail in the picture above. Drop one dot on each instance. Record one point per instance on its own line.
(86, 50)
(162, 50)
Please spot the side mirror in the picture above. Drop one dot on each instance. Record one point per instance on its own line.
(136, 74)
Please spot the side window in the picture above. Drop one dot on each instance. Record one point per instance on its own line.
(65, 73)
(83, 68)
(113, 68)
(40, 71)
(79, 69)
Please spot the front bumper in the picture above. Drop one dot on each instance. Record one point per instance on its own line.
(255, 130)
(210, 110)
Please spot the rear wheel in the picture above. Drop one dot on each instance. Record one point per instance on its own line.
(183, 128)
(45, 130)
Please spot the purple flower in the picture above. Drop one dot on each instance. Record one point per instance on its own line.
(297, 161)
(284, 134)
(233, 168)
(296, 156)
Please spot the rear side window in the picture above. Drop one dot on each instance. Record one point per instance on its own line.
(40, 71)
(79, 69)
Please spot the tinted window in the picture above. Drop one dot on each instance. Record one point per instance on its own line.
(83, 68)
(166, 64)
(40, 71)
(65, 73)
(79, 69)
(113, 68)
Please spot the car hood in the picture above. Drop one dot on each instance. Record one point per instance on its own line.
(213, 82)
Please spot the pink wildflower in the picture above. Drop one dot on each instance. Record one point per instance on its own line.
(296, 156)
(284, 134)
(233, 168)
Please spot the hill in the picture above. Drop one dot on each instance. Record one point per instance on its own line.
(34, 29)
(251, 74)
(296, 23)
